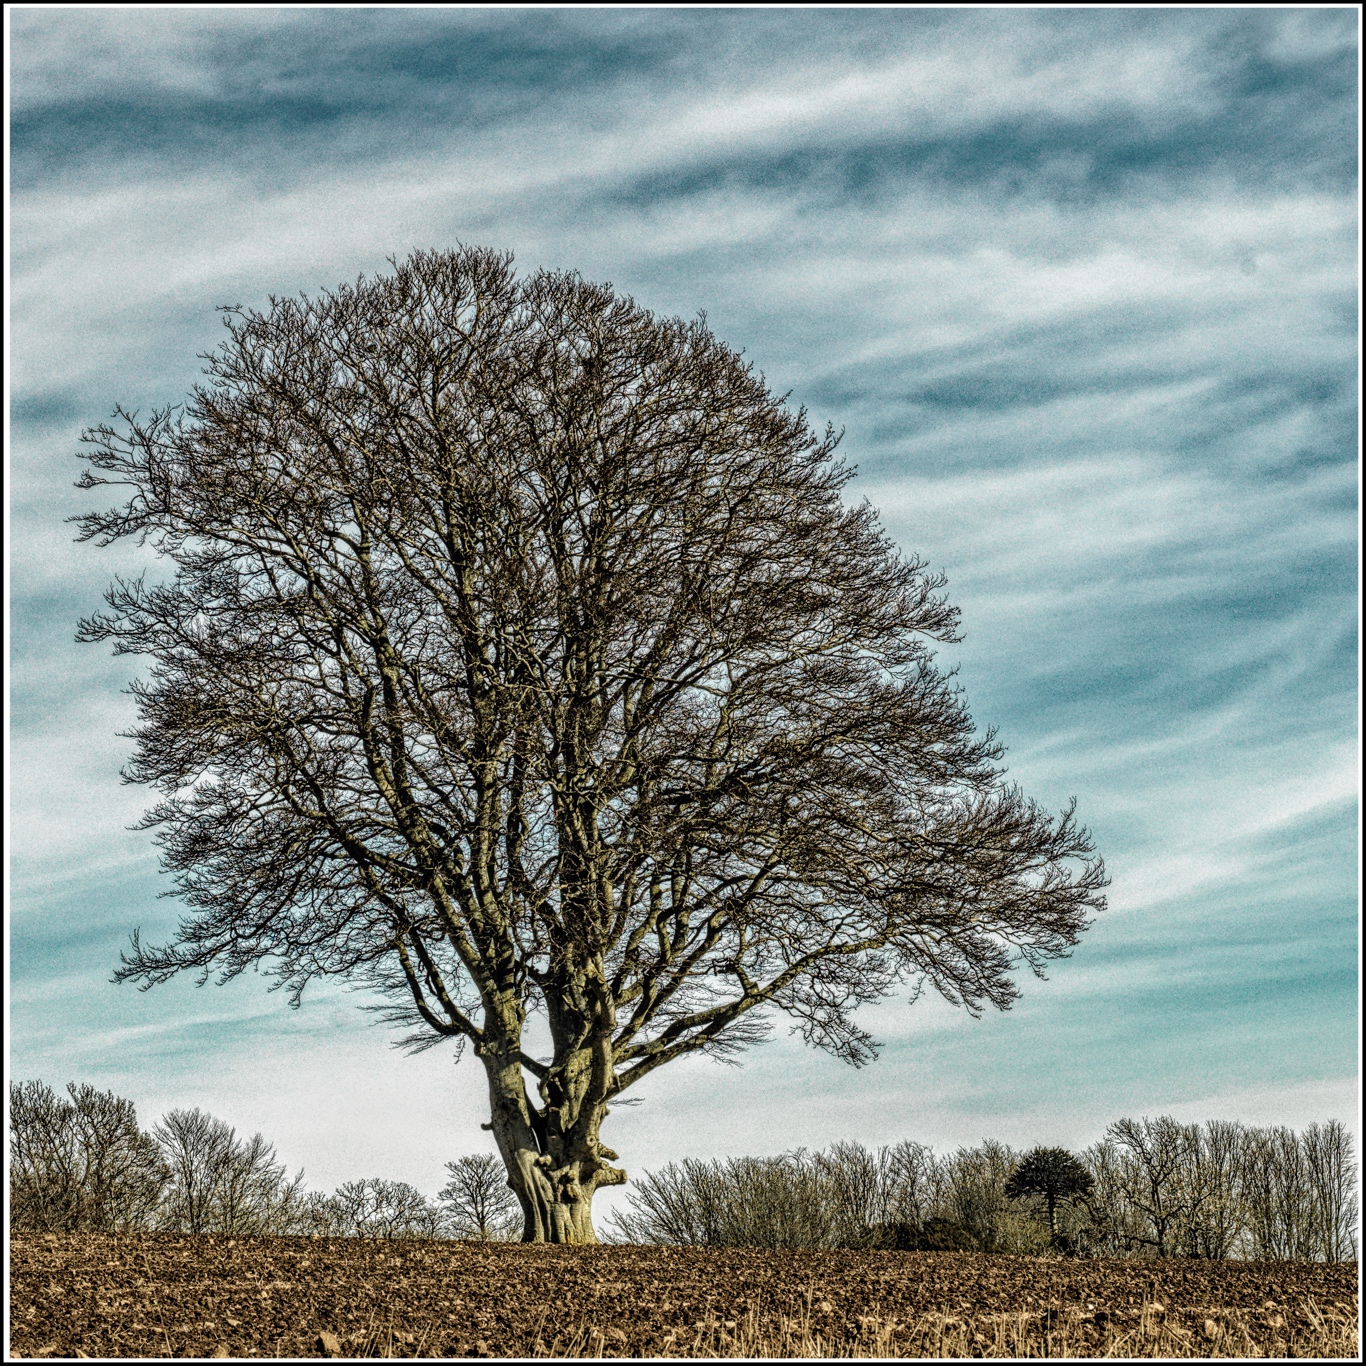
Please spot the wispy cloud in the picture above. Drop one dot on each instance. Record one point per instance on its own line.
(1079, 285)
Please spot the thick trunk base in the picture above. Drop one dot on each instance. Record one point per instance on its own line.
(568, 1224)
(553, 1211)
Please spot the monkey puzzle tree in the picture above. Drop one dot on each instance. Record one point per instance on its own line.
(1052, 1173)
(520, 655)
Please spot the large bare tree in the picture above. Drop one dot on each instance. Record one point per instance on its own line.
(521, 655)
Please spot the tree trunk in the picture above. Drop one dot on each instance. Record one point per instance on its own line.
(554, 1174)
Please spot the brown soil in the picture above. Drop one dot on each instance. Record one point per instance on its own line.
(162, 1294)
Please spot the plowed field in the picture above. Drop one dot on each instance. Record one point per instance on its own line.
(161, 1294)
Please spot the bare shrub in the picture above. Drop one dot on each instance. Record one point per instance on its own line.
(682, 1204)
(376, 1208)
(744, 1202)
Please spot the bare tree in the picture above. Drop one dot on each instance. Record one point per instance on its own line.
(1261, 1205)
(520, 655)
(1212, 1159)
(82, 1164)
(1294, 1196)
(1222, 1190)
(857, 1189)
(918, 1183)
(1332, 1184)
(197, 1149)
(122, 1175)
(1167, 1188)
(220, 1184)
(846, 1196)
(44, 1167)
(1099, 1232)
(1299, 1193)
(1155, 1177)
(877, 1198)
(254, 1194)
(478, 1201)
(318, 1215)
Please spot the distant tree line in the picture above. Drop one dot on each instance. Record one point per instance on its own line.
(1149, 1188)
(82, 1164)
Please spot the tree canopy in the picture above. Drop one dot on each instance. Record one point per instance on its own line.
(521, 654)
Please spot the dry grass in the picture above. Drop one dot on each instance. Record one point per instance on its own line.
(1054, 1333)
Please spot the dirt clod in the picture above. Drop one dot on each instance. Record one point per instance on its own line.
(329, 1344)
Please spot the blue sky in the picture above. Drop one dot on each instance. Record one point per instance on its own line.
(1081, 287)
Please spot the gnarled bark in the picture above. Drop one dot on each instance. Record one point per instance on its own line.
(553, 1154)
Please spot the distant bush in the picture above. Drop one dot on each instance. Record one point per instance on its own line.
(936, 1234)
(944, 1235)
